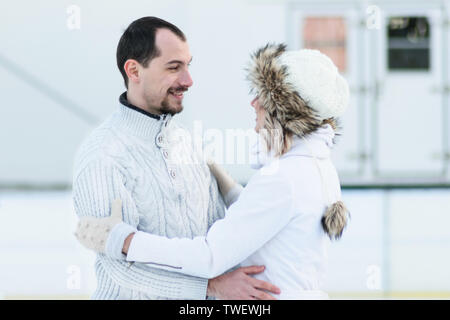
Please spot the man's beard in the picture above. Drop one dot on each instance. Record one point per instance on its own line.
(166, 107)
(176, 107)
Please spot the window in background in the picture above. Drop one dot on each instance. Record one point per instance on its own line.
(328, 35)
(408, 43)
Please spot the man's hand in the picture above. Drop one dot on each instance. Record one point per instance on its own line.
(239, 285)
(127, 242)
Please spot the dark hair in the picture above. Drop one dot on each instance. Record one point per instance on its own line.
(138, 42)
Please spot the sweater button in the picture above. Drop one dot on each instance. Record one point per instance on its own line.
(165, 154)
(159, 140)
(172, 174)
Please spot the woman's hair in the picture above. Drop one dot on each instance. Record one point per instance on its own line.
(279, 139)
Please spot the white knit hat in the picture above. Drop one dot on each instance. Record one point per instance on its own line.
(300, 90)
(317, 80)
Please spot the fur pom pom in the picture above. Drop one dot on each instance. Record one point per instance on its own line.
(335, 219)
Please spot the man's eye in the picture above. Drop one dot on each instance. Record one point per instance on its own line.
(174, 68)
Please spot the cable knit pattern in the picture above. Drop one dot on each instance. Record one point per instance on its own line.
(166, 189)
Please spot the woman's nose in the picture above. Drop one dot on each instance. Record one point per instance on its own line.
(253, 103)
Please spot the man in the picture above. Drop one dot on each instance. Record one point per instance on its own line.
(130, 157)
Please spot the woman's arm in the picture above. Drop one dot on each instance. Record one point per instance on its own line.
(263, 209)
(94, 189)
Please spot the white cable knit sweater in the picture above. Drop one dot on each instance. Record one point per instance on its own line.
(166, 190)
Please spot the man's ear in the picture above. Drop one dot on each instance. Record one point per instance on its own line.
(131, 68)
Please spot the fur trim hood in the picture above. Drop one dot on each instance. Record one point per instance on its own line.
(301, 89)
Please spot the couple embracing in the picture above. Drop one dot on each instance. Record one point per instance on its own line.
(167, 230)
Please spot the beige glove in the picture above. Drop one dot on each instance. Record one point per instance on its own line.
(229, 188)
(93, 232)
(224, 180)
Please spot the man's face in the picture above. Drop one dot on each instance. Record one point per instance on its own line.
(167, 77)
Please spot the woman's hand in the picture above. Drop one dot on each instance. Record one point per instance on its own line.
(229, 188)
(93, 232)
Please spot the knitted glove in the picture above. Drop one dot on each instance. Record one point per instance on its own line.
(229, 188)
(224, 180)
(93, 232)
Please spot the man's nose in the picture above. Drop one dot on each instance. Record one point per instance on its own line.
(186, 79)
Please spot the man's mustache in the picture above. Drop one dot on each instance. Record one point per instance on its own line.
(178, 89)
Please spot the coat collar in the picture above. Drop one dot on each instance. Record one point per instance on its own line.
(139, 122)
(318, 144)
(124, 101)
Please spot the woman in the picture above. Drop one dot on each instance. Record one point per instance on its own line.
(282, 218)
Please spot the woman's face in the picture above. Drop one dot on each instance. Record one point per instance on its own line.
(260, 114)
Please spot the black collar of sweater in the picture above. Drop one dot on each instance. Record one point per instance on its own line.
(123, 100)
